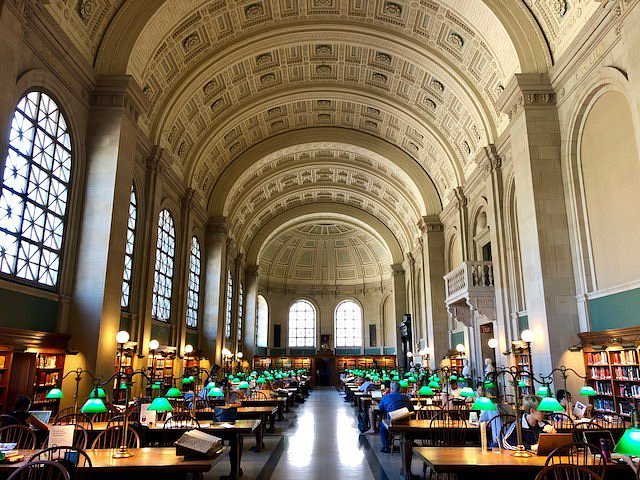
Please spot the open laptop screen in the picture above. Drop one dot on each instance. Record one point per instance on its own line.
(42, 415)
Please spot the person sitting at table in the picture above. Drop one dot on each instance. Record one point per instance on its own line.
(452, 395)
(386, 389)
(23, 416)
(366, 386)
(496, 426)
(564, 397)
(391, 402)
(533, 425)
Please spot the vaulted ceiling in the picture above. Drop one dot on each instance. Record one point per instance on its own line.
(374, 107)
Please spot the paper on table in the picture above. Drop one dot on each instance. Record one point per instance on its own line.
(61, 435)
(147, 417)
(226, 425)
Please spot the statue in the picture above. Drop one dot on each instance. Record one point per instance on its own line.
(489, 368)
(466, 368)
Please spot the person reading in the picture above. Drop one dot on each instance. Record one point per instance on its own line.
(533, 425)
(391, 402)
(22, 415)
(386, 389)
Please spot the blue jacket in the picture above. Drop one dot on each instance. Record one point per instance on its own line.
(395, 401)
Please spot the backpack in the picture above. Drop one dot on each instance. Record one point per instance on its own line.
(363, 422)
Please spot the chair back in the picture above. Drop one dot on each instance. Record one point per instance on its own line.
(236, 396)
(563, 471)
(74, 419)
(77, 467)
(494, 426)
(112, 437)
(579, 453)
(7, 419)
(80, 437)
(256, 395)
(23, 437)
(40, 470)
(181, 420)
(116, 420)
(561, 422)
(448, 429)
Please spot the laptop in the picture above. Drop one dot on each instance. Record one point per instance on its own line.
(376, 394)
(548, 442)
(42, 415)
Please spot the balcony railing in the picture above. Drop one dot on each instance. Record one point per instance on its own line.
(466, 278)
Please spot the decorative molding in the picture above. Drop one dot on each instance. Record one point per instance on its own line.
(430, 224)
(527, 90)
(120, 92)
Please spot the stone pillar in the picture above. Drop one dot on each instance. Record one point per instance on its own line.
(529, 101)
(400, 306)
(111, 148)
(182, 271)
(214, 288)
(463, 220)
(251, 310)
(437, 319)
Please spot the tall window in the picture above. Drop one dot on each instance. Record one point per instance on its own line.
(193, 295)
(228, 307)
(262, 330)
(240, 314)
(128, 253)
(35, 190)
(348, 324)
(163, 277)
(302, 324)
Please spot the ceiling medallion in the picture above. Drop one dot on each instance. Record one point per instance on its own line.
(277, 124)
(323, 69)
(437, 85)
(323, 49)
(383, 58)
(264, 59)
(456, 40)
(217, 104)
(379, 77)
(254, 10)
(268, 78)
(430, 103)
(466, 147)
(209, 87)
(87, 8)
(391, 8)
(560, 7)
(191, 41)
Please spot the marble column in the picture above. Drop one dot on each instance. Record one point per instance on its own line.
(251, 310)
(400, 306)
(529, 100)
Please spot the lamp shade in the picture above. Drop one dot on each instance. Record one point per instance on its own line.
(98, 392)
(550, 404)
(210, 385)
(94, 405)
(156, 386)
(174, 392)
(411, 380)
(54, 394)
(434, 384)
(160, 404)
(467, 392)
(543, 391)
(522, 384)
(404, 384)
(588, 391)
(484, 404)
(261, 381)
(243, 384)
(396, 378)
(453, 377)
(215, 392)
(187, 380)
(425, 391)
(629, 444)
(489, 384)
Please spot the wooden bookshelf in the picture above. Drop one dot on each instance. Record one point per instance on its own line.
(613, 370)
(522, 360)
(164, 366)
(125, 364)
(49, 369)
(387, 362)
(5, 372)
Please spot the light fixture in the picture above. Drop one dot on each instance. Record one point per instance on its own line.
(122, 337)
(188, 348)
(484, 404)
(156, 386)
(98, 392)
(153, 345)
(54, 394)
(226, 352)
(489, 384)
(215, 392)
(493, 343)
(588, 391)
(428, 350)
(527, 336)
(550, 404)
(174, 392)
(460, 348)
(94, 405)
(434, 384)
(410, 354)
(239, 355)
(467, 392)
(543, 391)
(243, 385)
(160, 404)
(404, 384)
(425, 391)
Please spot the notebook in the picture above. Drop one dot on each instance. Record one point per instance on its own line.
(42, 415)
(376, 394)
(548, 442)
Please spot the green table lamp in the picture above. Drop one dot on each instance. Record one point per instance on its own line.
(484, 404)
(396, 378)
(174, 392)
(543, 391)
(243, 385)
(160, 404)
(588, 391)
(425, 391)
(215, 392)
(434, 384)
(629, 444)
(550, 404)
(98, 392)
(54, 394)
(94, 405)
(467, 392)
(403, 384)
(156, 386)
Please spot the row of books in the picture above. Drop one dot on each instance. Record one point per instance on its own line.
(600, 373)
(46, 361)
(47, 378)
(597, 358)
(623, 357)
(604, 404)
(632, 390)
(627, 373)
(603, 388)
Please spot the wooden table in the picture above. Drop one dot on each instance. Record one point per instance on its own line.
(473, 463)
(145, 463)
(422, 429)
(233, 434)
(280, 402)
(264, 414)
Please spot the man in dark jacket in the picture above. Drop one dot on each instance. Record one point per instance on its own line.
(391, 402)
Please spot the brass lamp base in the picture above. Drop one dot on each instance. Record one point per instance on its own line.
(122, 453)
(521, 453)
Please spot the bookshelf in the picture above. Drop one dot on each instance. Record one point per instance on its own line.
(49, 368)
(125, 364)
(164, 366)
(613, 370)
(522, 360)
(365, 362)
(5, 371)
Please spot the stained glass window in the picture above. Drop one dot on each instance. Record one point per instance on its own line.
(163, 277)
(302, 324)
(35, 191)
(262, 330)
(240, 314)
(193, 294)
(348, 324)
(128, 253)
(229, 304)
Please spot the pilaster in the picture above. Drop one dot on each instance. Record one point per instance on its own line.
(400, 306)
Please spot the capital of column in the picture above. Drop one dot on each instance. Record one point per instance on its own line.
(120, 91)
(461, 199)
(251, 270)
(526, 90)
(217, 226)
(397, 269)
(430, 224)
(489, 159)
(157, 162)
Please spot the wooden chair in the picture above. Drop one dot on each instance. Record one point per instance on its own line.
(579, 453)
(256, 395)
(116, 420)
(23, 437)
(112, 438)
(578, 428)
(567, 472)
(448, 429)
(77, 471)
(75, 419)
(610, 421)
(561, 422)
(496, 424)
(236, 396)
(80, 438)
(64, 411)
(7, 419)
(41, 470)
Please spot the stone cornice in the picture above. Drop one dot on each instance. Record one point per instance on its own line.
(120, 92)
(430, 224)
(217, 226)
(526, 90)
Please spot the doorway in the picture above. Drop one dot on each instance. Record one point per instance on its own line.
(325, 371)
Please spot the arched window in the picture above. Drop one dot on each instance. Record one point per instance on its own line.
(228, 307)
(128, 252)
(193, 295)
(302, 324)
(262, 330)
(35, 191)
(348, 324)
(163, 277)
(240, 314)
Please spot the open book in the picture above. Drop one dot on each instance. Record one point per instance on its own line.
(195, 443)
(401, 415)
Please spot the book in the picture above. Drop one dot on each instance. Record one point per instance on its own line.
(195, 443)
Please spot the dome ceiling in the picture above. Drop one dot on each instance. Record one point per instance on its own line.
(324, 254)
